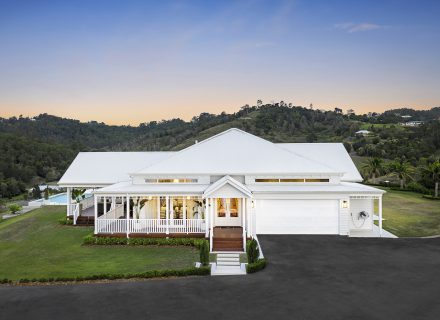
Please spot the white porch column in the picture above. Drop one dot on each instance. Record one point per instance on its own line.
(69, 200)
(184, 215)
(380, 216)
(128, 215)
(249, 217)
(105, 205)
(243, 209)
(95, 200)
(167, 214)
(207, 218)
(211, 222)
(158, 208)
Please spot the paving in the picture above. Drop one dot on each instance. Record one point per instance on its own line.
(307, 277)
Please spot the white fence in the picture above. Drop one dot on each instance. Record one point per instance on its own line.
(147, 226)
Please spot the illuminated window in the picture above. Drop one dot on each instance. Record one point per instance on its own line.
(267, 180)
(291, 180)
(174, 180)
(317, 180)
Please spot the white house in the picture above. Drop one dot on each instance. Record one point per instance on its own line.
(363, 133)
(227, 188)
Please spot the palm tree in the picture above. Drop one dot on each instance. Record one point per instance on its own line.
(373, 167)
(401, 169)
(433, 170)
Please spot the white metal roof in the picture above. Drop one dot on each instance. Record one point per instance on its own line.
(235, 152)
(153, 189)
(343, 187)
(103, 168)
(334, 154)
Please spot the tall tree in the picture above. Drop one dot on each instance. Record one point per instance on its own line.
(433, 170)
(402, 169)
(373, 167)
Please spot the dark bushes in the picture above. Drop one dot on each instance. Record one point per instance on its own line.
(256, 266)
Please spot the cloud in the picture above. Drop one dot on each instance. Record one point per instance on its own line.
(358, 27)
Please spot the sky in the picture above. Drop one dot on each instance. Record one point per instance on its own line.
(128, 62)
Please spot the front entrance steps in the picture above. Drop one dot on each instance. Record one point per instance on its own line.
(228, 264)
(228, 239)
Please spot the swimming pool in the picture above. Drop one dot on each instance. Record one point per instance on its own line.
(59, 199)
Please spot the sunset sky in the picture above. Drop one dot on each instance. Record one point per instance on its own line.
(126, 62)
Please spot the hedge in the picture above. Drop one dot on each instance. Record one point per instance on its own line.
(108, 276)
(256, 266)
(430, 197)
(192, 242)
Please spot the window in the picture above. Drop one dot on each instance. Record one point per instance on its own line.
(291, 180)
(227, 207)
(171, 180)
(267, 180)
(317, 180)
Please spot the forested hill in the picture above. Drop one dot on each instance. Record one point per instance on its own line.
(39, 149)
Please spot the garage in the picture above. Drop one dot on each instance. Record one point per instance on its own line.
(297, 217)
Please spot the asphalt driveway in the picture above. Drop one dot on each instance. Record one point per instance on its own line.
(308, 277)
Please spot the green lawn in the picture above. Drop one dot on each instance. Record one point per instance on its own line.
(35, 245)
(407, 214)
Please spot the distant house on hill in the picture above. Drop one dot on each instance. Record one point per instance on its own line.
(412, 123)
(363, 133)
(350, 112)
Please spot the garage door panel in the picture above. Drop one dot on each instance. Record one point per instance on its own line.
(297, 217)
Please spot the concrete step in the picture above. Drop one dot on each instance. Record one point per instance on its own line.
(227, 270)
(228, 255)
(228, 258)
(228, 263)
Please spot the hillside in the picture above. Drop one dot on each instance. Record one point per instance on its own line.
(40, 149)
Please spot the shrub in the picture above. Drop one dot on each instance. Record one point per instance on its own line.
(191, 242)
(113, 276)
(204, 253)
(252, 251)
(417, 187)
(14, 208)
(256, 266)
(65, 221)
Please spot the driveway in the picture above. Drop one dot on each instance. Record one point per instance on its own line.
(308, 277)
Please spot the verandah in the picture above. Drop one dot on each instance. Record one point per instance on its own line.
(150, 214)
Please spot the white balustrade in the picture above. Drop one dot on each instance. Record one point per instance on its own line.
(147, 226)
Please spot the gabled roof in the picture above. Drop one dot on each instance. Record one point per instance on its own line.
(334, 154)
(236, 152)
(103, 168)
(227, 180)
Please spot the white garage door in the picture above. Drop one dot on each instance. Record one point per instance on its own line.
(297, 217)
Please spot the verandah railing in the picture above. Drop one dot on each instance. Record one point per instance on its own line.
(148, 226)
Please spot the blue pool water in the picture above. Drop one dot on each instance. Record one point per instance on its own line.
(59, 199)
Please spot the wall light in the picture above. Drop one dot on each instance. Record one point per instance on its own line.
(188, 198)
(252, 204)
(344, 204)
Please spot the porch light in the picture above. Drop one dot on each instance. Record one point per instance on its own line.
(188, 198)
(344, 204)
(252, 204)
(150, 197)
(176, 180)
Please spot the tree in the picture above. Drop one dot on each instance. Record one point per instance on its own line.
(14, 208)
(36, 192)
(401, 169)
(373, 167)
(433, 170)
(46, 193)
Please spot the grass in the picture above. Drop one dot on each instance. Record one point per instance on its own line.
(35, 245)
(408, 214)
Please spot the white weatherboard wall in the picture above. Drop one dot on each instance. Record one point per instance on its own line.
(356, 206)
(284, 216)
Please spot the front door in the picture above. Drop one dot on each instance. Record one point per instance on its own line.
(227, 212)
